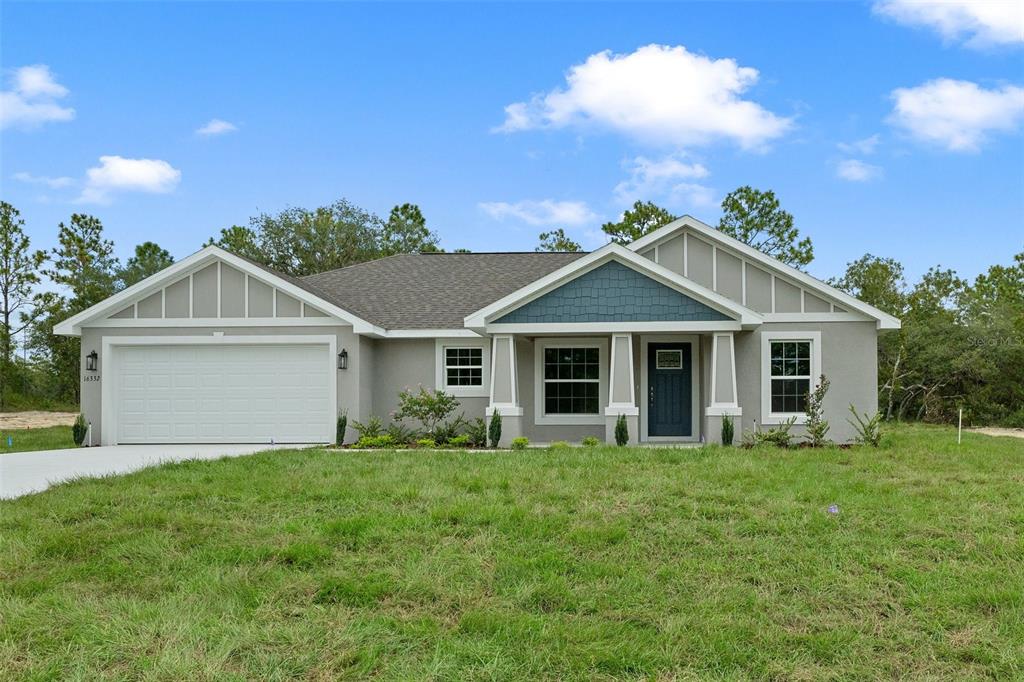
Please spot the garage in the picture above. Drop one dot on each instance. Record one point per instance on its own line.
(228, 392)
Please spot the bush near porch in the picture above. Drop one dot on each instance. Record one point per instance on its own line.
(578, 563)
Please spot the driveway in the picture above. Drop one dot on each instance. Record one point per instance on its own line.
(28, 472)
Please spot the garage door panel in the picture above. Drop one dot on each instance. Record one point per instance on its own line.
(224, 393)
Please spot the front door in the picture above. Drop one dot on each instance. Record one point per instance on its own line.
(669, 399)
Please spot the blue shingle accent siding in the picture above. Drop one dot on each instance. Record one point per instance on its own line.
(613, 293)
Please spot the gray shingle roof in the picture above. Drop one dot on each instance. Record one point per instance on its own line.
(431, 290)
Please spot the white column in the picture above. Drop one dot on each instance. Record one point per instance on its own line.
(622, 389)
(505, 388)
(723, 399)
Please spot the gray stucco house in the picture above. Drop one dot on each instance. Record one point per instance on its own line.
(675, 331)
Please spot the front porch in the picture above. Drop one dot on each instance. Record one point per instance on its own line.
(672, 387)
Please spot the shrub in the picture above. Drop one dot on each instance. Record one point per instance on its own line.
(817, 426)
(494, 430)
(621, 431)
(559, 445)
(520, 443)
(426, 443)
(382, 441)
(339, 433)
(477, 432)
(79, 430)
(727, 430)
(868, 428)
(462, 441)
(778, 436)
(450, 429)
(373, 428)
(401, 434)
(429, 408)
(591, 442)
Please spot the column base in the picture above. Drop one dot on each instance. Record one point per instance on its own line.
(511, 423)
(632, 422)
(713, 425)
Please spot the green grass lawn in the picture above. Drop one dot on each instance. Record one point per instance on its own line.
(579, 564)
(24, 440)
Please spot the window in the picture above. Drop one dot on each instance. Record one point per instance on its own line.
(669, 359)
(572, 377)
(791, 376)
(463, 366)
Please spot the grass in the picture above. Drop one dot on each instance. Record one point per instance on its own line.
(582, 563)
(25, 440)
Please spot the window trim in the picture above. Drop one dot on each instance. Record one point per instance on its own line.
(441, 376)
(767, 337)
(543, 344)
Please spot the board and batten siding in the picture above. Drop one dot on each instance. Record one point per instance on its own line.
(217, 291)
(733, 276)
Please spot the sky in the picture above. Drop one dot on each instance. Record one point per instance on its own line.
(884, 127)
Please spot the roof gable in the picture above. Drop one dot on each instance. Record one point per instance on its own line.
(612, 292)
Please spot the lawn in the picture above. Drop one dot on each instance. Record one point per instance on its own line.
(24, 440)
(580, 564)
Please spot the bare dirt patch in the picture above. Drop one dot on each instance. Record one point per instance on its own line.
(35, 419)
(998, 431)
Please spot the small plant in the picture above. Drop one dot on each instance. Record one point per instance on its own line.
(400, 433)
(477, 432)
(728, 430)
(339, 433)
(463, 441)
(591, 442)
(868, 428)
(445, 431)
(79, 430)
(427, 443)
(373, 428)
(430, 408)
(520, 443)
(374, 442)
(621, 431)
(779, 436)
(817, 426)
(494, 430)
(559, 445)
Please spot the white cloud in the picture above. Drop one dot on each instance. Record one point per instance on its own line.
(855, 170)
(865, 146)
(118, 174)
(668, 179)
(52, 183)
(957, 115)
(977, 23)
(216, 126)
(659, 94)
(545, 212)
(32, 99)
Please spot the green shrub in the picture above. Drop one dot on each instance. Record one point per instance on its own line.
(494, 430)
(445, 431)
(428, 443)
(779, 436)
(382, 441)
(817, 426)
(373, 428)
(728, 429)
(868, 428)
(520, 443)
(621, 431)
(400, 433)
(477, 432)
(462, 441)
(339, 432)
(430, 408)
(79, 430)
(559, 445)
(591, 441)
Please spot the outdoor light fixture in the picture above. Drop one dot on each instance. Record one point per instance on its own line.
(343, 359)
(90, 361)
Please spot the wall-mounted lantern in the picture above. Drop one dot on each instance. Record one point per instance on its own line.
(90, 361)
(343, 359)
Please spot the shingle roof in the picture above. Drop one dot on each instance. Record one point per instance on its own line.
(431, 290)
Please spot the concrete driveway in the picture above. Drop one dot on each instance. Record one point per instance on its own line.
(28, 472)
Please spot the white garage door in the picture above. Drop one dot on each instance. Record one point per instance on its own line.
(242, 393)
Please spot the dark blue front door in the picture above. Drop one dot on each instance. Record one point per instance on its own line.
(669, 400)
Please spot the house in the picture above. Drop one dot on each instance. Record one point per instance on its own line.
(676, 331)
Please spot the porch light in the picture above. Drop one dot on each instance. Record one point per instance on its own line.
(343, 359)
(90, 361)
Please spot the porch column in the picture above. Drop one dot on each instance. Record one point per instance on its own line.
(505, 388)
(622, 389)
(723, 398)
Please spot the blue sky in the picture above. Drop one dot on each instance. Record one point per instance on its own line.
(883, 128)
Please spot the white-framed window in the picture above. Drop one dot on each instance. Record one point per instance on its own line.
(571, 380)
(463, 367)
(790, 367)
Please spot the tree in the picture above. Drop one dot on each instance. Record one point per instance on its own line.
(557, 240)
(18, 274)
(644, 217)
(240, 241)
(755, 217)
(406, 232)
(148, 260)
(875, 280)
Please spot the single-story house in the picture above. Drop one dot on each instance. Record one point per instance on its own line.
(675, 331)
